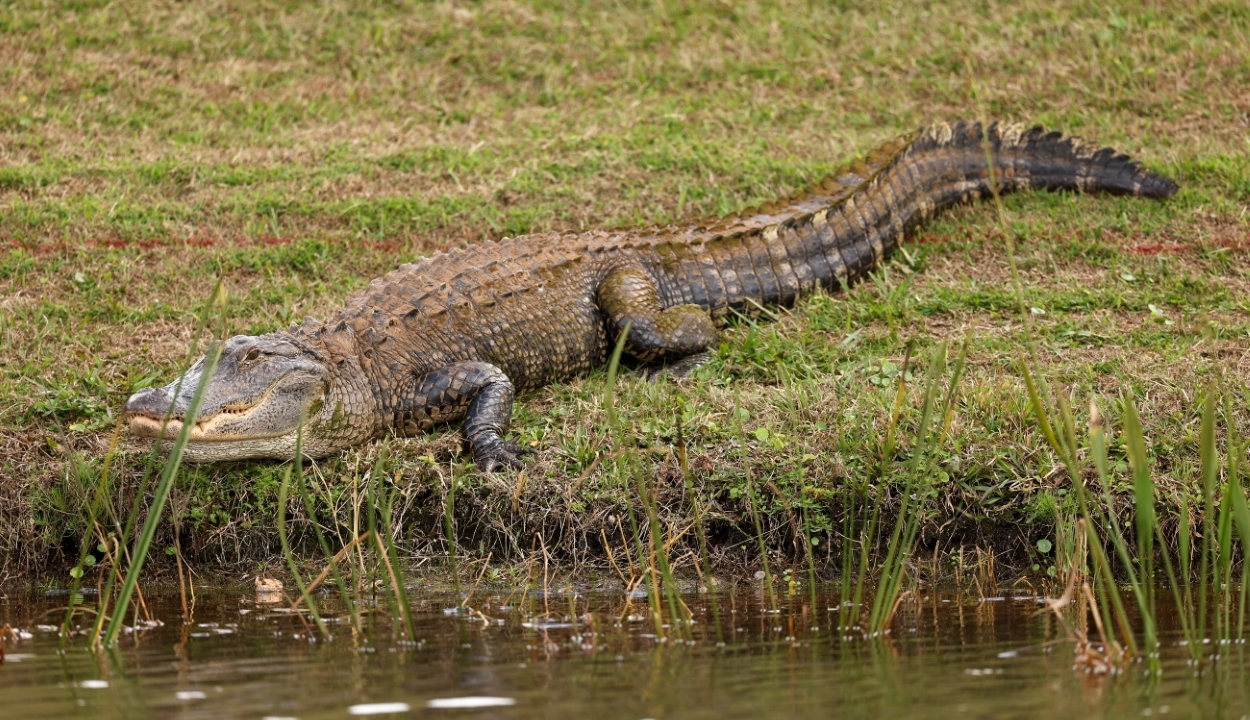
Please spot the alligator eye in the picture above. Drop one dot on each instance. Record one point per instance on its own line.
(252, 355)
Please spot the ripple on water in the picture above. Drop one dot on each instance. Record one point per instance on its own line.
(599, 656)
(387, 708)
(479, 701)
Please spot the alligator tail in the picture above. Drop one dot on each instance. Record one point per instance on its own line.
(1050, 160)
(848, 224)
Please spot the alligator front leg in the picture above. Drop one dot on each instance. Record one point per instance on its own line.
(478, 392)
(629, 296)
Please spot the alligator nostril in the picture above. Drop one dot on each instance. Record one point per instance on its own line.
(152, 401)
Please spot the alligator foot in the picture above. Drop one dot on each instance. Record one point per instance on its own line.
(677, 369)
(501, 454)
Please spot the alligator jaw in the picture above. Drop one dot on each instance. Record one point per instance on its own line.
(203, 446)
(147, 426)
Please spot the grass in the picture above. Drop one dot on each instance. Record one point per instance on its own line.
(296, 151)
(1210, 599)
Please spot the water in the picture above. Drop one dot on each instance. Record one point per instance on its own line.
(582, 655)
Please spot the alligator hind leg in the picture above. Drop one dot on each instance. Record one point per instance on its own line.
(478, 392)
(629, 296)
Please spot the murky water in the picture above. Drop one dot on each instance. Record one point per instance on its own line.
(583, 655)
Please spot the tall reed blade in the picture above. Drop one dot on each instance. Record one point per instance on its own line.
(609, 387)
(384, 538)
(287, 553)
(449, 528)
(161, 494)
(650, 572)
(850, 581)
(1142, 579)
(332, 565)
(906, 527)
(626, 463)
(763, 545)
(1237, 504)
(1210, 476)
(92, 528)
(659, 554)
(216, 299)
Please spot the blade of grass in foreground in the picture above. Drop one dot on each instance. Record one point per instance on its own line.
(763, 545)
(627, 462)
(1146, 520)
(1203, 593)
(659, 555)
(283, 493)
(1240, 512)
(93, 513)
(449, 528)
(332, 565)
(160, 495)
(380, 511)
(216, 299)
(1059, 429)
(907, 525)
(850, 582)
(1210, 473)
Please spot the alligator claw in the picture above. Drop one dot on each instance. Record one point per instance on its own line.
(503, 454)
(677, 369)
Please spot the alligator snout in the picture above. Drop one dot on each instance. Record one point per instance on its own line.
(146, 410)
(153, 402)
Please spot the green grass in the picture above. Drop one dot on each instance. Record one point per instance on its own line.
(297, 151)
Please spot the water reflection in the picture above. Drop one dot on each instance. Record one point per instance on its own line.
(518, 655)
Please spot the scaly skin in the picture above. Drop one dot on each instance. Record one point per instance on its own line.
(452, 337)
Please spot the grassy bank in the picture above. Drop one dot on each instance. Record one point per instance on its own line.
(296, 151)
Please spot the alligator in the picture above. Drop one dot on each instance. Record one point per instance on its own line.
(452, 337)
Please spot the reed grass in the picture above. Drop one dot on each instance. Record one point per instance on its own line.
(379, 532)
(623, 463)
(292, 563)
(449, 527)
(332, 558)
(1203, 593)
(767, 576)
(136, 558)
(903, 538)
(94, 509)
(662, 580)
(809, 544)
(380, 506)
(862, 543)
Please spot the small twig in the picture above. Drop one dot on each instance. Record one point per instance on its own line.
(516, 494)
(692, 557)
(467, 598)
(338, 557)
(673, 540)
(77, 609)
(546, 559)
(625, 543)
(894, 608)
(395, 586)
(1093, 609)
(612, 558)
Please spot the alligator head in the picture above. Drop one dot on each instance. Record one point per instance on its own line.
(262, 390)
